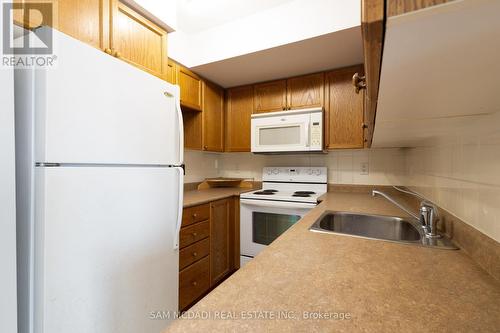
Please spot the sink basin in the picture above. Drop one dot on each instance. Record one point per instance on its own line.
(387, 228)
(369, 226)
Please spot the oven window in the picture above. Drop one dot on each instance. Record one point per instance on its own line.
(272, 136)
(266, 227)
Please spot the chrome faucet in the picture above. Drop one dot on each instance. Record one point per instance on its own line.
(427, 216)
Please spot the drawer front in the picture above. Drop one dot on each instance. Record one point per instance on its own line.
(194, 281)
(194, 233)
(194, 252)
(195, 214)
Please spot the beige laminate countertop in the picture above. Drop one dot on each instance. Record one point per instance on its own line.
(198, 197)
(383, 286)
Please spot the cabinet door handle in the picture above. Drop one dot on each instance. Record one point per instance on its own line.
(195, 215)
(117, 54)
(195, 254)
(194, 234)
(194, 283)
(108, 51)
(205, 147)
(359, 82)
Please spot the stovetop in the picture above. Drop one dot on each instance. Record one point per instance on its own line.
(293, 184)
(276, 195)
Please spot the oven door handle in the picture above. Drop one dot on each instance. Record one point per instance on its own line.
(276, 204)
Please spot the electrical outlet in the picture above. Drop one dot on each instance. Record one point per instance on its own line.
(364, 168)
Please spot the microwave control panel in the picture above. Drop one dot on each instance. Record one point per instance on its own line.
(316, 130)
(316, 134)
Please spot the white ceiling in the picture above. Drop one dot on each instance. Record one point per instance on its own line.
(439, 73)
(334, 50)
(197, 15)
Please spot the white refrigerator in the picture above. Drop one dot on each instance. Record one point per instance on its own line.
(99, 164)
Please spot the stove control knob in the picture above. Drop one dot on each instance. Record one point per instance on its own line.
(309, 172)
(317, 172)
(276, 171)
(269, 171)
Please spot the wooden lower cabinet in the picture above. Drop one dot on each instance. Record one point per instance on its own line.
(220, 240)
(193, 253)
(194, 282)
(208, 239)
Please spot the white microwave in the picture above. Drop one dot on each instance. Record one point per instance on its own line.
(287, 131)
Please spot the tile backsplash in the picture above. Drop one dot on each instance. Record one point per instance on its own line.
(371, 166)
(460, 175)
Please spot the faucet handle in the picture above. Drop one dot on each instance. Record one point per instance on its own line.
(429, 219)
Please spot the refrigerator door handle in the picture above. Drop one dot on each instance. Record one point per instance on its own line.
(179, 120)
(180, 208)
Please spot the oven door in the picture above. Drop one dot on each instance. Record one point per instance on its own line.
(262, 221)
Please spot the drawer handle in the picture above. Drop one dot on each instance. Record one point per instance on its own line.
(194, 234)
(195, 254)
(194, 283)
(195, 215)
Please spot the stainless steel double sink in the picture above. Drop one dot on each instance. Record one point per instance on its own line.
(379, 227)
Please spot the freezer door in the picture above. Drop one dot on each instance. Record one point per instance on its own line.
(94, 108)
(105, 260)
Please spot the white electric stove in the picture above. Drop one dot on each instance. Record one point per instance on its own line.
(287, 194)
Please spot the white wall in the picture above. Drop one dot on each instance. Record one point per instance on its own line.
(8, 291)
(162, 12)
(286, 23)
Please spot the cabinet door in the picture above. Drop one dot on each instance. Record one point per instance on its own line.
(213, 117)
(239, 109)
(193, 127)
(220, 260)
(85, 20)
(270, 96)
(344, 112)
(305, 91)
(171, 72)
(137, 40)
(191, 88)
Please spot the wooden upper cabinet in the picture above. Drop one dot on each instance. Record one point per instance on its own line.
(306, 91)
(372, 32)
(399, 7)
(137, 40)
(171, 72)
(220, 240)
(213, 117)
(193, 127)
(344, 115)
(239, 109)
(191, 88)
(270, 96)
(85, 20)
